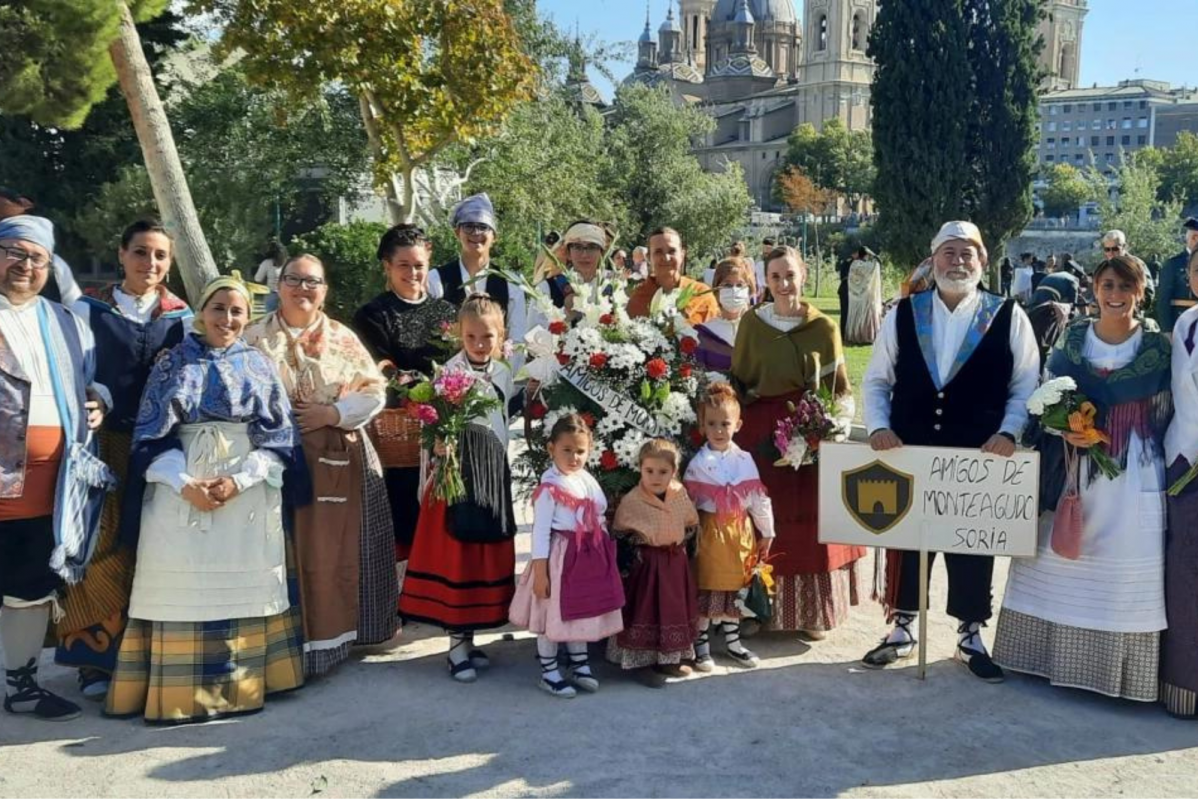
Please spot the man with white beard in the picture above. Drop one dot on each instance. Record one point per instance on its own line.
(952, 367)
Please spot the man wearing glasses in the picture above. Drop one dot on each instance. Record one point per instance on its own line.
(474, 224)
(51, 483)
(1173, 295)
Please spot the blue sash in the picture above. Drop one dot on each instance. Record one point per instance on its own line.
(921, 306)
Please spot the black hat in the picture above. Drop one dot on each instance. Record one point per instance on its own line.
(1190, 224)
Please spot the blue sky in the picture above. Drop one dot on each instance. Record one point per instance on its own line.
(1146, 38)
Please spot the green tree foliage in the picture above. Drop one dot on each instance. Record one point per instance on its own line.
(427, 73)
(954, 101)
(1067, 189)
(653, 171)
(1128, 199)
(837, 159)
(348, 253)
(1179, 170)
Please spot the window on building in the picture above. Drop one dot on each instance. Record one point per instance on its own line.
(1098, 106)
(1110, 141)
(1110, 158)
(1052, 126)
(1094, 141)
(1111, 106)
(1066, 125)
(1141, 139)
(1052, 110)
(1051, 144)
(1142, 122)
(1125, 140)
(1081, 141)
(1079, 159)
(856, 32)
(1068, 109)
(1143, 104)
(1111, 124)
(822, 36)
(1126, 123)
(1127, 103)
(1050, 158)
(1096, 125)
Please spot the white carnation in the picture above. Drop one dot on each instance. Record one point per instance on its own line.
(627, 447)
(609, 425)
(1049, 395)
(677, 407)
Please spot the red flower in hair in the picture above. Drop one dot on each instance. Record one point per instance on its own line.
(563, 358)
(608, 461)
(537, 410)
(598, 360)
(685, 370)
(657, 369)
(557, 328)
(688, 345)
(606, 319)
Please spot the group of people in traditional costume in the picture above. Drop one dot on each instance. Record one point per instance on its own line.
(231, 532)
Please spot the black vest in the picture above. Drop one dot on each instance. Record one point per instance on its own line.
(967, 411)
(494, 287)
(558, 285)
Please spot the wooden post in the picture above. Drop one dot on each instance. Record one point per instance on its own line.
(923, 614)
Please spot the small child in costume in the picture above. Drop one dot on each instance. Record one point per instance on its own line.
(659, 609)
(723, 482)
(571, 591)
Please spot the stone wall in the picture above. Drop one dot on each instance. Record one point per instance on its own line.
(1083, 244)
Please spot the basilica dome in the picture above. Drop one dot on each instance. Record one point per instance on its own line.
(763, 11)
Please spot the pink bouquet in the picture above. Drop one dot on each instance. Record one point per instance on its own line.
(444, 405)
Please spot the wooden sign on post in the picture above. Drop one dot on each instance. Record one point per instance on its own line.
(929, 499)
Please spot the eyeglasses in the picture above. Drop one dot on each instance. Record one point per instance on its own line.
(474, 229)
(310, 283)
(1111, 249)
(15, 255)
(585, 246)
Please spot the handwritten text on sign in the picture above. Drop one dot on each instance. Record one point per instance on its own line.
(612, 401)
(941, 499)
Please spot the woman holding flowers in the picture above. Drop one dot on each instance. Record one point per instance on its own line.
(344, 544)
(1179, 645)
(1091, 617)
(461, 573)
(785, 349)
(402, 327)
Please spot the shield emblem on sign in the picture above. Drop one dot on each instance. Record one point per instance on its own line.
(877, 496)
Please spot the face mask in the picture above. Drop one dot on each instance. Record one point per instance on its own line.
(734, 298)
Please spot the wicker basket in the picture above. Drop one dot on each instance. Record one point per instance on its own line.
(396, 436)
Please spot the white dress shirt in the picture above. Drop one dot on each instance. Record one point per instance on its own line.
(516, 316)
(732, 467)
(548, 515)
(19, 325)
(1182, 436)
(137, 309)
(949, 329)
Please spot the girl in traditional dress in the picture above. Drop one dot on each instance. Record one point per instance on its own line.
(402, 327)
(1179, 644)
(213, 623)
(344, 542)
(865, 299)
(723, 482)
(734, 288)
(133, 322)
(570, 593)
(1094, 622)
(660, 610)
(461, 571)
(785, 348)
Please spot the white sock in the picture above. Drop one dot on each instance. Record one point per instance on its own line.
(731, 631)
(547, 656)
(703, 641)
(969, 636)
(900, 634)
(459, 648)
(22, 633)
(579, 658)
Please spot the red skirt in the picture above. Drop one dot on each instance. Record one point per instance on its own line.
(455, 585)
(661, 607)
(796, 549)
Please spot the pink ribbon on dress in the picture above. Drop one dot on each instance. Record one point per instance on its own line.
(729, 500)
(590, 525)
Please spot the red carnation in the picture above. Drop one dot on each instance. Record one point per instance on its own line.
(598, 360)
(557, 328)
(589, 418)
(606, 319)
(657, 369)
(609, 461)
(689, 345)
(563, 358)
(537, 410)
(685, 371)
(696, 437)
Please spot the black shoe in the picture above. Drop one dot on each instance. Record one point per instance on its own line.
(887, 654)
(47, 706)
(980, 665)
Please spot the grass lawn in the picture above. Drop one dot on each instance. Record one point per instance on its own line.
(856, 357)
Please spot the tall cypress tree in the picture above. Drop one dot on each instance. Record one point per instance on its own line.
(1002, 131)
(921, 101)
(954, 114)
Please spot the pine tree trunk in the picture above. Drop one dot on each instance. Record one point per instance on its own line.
(162, 159)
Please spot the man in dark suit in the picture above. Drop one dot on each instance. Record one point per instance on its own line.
(1173, 294)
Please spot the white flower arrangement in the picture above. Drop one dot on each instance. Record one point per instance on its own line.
(1049, 394)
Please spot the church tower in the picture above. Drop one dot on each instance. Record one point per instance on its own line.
(1062, 32)
(836, 72)
(696, 16)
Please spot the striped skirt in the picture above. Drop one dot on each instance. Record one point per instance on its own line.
(89, 634)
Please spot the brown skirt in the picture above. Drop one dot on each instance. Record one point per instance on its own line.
(660, 610)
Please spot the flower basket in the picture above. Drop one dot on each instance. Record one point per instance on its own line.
(396, 436)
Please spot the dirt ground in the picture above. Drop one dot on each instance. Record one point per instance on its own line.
(809, 721)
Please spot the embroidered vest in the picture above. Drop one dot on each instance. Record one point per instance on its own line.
(970, 407)
(494, 287)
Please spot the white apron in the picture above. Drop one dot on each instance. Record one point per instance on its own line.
(194, 566)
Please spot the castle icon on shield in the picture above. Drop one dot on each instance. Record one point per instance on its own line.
(877, 496)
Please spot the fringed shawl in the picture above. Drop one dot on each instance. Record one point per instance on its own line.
(1135, 398)
(660, 522)
(323, 364)
(770, 363)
